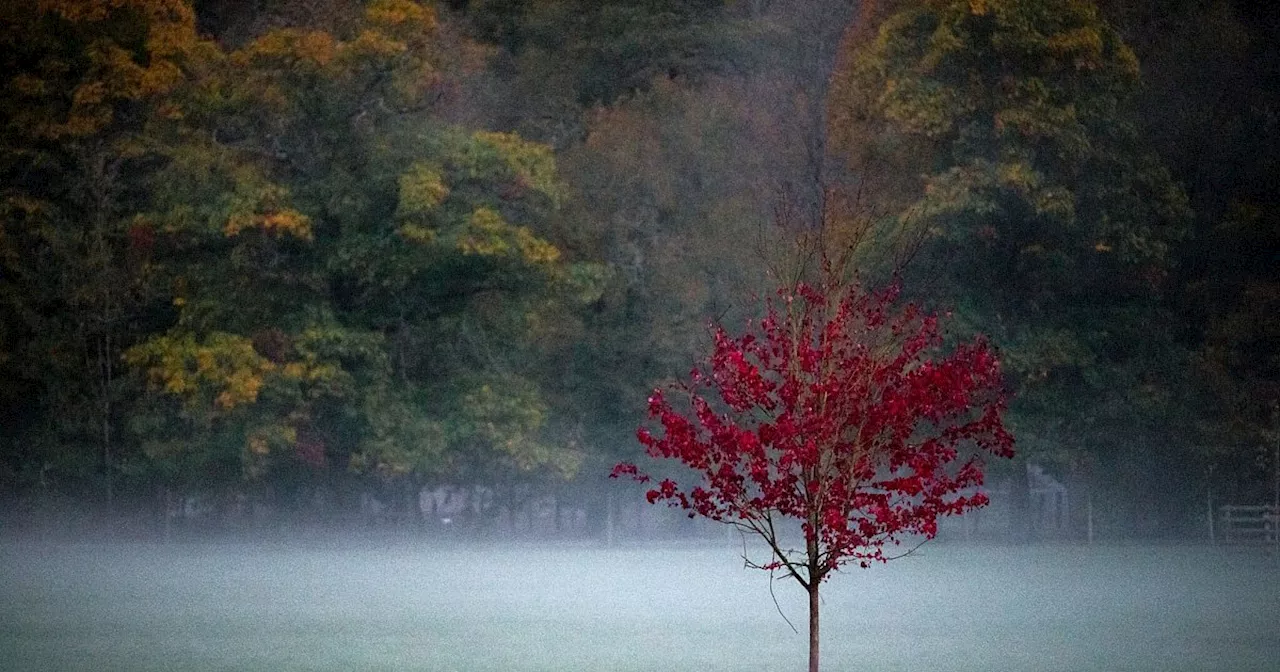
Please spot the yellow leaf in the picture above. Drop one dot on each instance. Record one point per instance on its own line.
(535, 250)
(422, 190)
(417, 234)
(484, 235)
(278, 224)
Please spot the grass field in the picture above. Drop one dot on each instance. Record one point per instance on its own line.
(654, 609)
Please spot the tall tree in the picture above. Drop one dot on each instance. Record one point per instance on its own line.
(305, 265)
(1009, 126)
(85, 84)
(348, 264)
(1208, 104)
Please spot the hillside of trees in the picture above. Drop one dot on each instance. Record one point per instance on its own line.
(293, 253)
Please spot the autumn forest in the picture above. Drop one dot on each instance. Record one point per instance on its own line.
(290, 253)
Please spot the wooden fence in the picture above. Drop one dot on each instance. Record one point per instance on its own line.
(1249, 524)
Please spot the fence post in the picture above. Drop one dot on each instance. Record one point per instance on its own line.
(1209, 500)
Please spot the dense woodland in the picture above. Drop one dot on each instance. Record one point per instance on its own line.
(295, 251)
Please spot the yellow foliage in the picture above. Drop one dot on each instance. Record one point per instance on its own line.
(921, 106)
(1084, 44)
(171, 38)
(485, 234)
(321, 372)
(532, 162)
(115, 72)
(309, 371)
(116, 67)
(278, 224)
(241, 387)
(422, 190)
(310, 47)
(373, 43)
(400, 13)
(225, 367)
(416, 233)
(179, 386)
(317, 47)
(159, 79)
(1127, 61)
(535, 250)
(89, 93)
(291, 222)
(205, 362)
(1019, 175)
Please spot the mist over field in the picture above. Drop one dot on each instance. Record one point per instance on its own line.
(677, 607)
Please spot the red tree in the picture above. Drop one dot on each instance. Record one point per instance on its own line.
(837, 411)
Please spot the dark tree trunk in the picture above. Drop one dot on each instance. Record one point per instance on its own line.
(1020, 527)
(555, 514)
(608, 518)
(813, 626)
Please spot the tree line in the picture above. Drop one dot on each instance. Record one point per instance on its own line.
(334, 245)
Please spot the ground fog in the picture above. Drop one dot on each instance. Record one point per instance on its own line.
(531, 608)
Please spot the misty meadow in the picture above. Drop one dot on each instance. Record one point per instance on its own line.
(492, 608)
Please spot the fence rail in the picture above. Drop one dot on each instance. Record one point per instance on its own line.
(1250, 524)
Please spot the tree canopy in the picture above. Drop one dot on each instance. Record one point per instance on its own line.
(327, 245)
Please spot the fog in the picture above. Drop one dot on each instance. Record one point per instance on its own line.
(464, 608)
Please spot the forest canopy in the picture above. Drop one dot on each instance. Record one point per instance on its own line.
(331, 245)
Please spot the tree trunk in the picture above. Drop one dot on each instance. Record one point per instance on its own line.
(1020, 505)
(166, 513)
(1208, 500)
(813, 626)
(107, 376)
(555, 514)
(1089, 516)
(608, 517)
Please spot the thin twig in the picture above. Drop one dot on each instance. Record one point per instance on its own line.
(909, 551)
(778, 606)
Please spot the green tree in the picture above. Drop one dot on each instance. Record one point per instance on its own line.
(373, 276)
(1009, 130)
(85, 84)
(1208, 105)
(302, 265)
